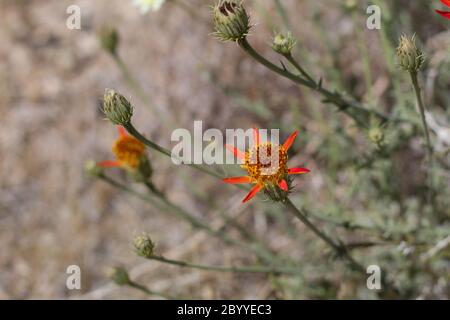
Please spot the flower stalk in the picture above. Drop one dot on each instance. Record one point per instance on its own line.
(228, 269)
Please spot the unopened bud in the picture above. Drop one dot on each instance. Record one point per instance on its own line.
(409, 57)
(144, 246)
(283, 43)
(376, 135)
(92, 169)
(231, 21)
(117, 108)
(119, 275)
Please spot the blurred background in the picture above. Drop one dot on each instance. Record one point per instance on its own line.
(53, 215)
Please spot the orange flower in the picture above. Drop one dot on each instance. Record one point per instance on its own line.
(261, 171)
(128, 151)
(445, 14)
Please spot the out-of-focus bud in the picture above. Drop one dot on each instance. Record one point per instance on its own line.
(144, 170)
(144, 245)
(109, 39)
(92, 169)
(231, 21)
(409, 57)
(119, 275)
(283, 43)
(117, 108)
(376, 136)
(350, 5)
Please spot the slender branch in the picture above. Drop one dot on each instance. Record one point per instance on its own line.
(145, 290)
(417, 90)
(300, 69)
(338, 247)
(415, 82)
(132, 130)
(257, 248)
(250, 269)
(332, 97)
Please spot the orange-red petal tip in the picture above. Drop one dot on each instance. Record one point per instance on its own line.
(298, 170)
(109, 164)
(238, 153)
(252, 193)
(122, 131)
(283, 185)
(290, 141)
(237, 180)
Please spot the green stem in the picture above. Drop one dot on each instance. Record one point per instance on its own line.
(251, 269)
(300, 69)
(338, 247)
(144, 289)
(415, 82)
(417, 90)
(257, 248)
(132, 130)
(332, 97)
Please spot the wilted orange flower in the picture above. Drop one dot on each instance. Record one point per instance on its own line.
(128, 151)
(445, 14)
(261, 171)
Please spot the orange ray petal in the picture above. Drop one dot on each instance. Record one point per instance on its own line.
(237, 180)
(256, 136)
(446, 2)
(109, 164)
(122, 131)
(289, 141)
(238, 153)
(283, 185)
(298, 170)
(444, 13)
(252, 193)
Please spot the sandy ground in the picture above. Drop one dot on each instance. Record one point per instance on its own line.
(51, 214)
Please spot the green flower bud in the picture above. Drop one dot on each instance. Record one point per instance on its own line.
(231, 21)
(109, 39)
(119, 276)
(92, 169)
(409, 57)
(283, 43)
(144, 246)
(376, 135)
(350, 5)
(116, 108)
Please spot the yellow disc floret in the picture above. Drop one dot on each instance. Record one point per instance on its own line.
(266, 163)
(128, 151)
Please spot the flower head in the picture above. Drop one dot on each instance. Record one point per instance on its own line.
(117, 108)
(119, 275)
(283, 43)
(130, 155)
(445, 14)
(231, 21)
(409, 57)
(144, 246)
(145, 6)
(267, 169)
